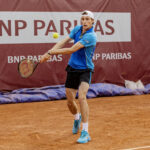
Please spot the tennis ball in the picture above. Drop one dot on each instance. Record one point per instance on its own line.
(55, 35)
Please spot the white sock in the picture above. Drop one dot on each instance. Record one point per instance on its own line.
(85, 126)
(77, 116)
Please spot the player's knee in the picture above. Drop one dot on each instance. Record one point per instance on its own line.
(70, 94)
(82, 98)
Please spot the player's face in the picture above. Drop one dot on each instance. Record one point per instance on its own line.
(87, 22)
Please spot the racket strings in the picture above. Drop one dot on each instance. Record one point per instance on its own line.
(26, 68)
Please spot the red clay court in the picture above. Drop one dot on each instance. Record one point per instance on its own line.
(116, 123)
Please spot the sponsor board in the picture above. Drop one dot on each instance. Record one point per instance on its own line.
(37, 27)
(59, 58)
(17, 59)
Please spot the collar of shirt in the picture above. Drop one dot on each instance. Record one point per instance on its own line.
(90, 30)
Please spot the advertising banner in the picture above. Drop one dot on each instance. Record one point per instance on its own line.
(122, 50)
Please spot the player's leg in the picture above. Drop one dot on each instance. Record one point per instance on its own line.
(83, 89)
(72, 83)
(71, 94)
(85, 80)
(71, 91)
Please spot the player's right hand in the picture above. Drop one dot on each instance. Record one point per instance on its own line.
(44, 57)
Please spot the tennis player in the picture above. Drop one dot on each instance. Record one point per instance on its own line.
(79, 70)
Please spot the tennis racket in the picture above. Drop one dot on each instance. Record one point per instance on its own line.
(26, 67)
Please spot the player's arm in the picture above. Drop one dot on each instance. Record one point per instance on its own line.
(58, 45)
(70, 50)
(61, 43)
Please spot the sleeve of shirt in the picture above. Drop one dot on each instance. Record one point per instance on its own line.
(73, 32)
(88, 40)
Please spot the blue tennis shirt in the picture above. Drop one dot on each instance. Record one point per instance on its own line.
(82, 59)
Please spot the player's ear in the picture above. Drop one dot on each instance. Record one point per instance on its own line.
(92, 21)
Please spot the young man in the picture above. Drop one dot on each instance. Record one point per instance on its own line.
(79, 70)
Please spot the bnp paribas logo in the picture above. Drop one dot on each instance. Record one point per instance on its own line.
(38, 27)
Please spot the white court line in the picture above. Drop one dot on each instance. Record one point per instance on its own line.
(144, 147)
